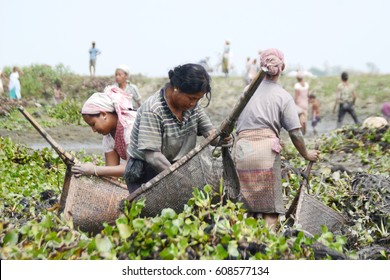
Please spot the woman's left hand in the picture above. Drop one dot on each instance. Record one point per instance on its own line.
(226, 142)
(87, 168)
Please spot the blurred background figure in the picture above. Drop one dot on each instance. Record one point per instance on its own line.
(315, 112)
(122, 80)
(345, 99)
(247, 67)
(302, 100)
(386, 110)
(253, 70)
(14, 84)
(205, 62)
(93, 53)
(226, 58)
(1, 82)
(58, 94)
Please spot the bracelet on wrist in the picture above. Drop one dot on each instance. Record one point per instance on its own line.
(95, 170)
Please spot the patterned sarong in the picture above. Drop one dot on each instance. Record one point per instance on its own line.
(257, 159)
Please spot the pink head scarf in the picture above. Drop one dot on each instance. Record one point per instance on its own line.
(273, 61)
(113, 99)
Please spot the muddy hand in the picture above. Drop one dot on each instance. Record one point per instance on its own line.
(83, 169)
(313, 155)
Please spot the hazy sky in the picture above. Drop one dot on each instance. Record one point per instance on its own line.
(153, 36)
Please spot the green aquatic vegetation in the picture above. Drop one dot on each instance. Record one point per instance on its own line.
(209, 227)
(38, 79)
(13, 121)
(64, 113)
(68, 111)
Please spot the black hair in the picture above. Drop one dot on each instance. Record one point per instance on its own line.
(191, 78)
(344, 76)
(98, 114)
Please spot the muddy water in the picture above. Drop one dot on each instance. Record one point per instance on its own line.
(70, 138)
(90, 148)
(77, 138)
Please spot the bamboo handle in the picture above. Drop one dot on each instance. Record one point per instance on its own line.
(294, 203)
(65, 156)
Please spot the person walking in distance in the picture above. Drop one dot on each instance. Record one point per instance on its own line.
(93, 53)
(315, 112)
(345, 100)
(1, 82)
(14, 84)
(226, 58)
(302, 100)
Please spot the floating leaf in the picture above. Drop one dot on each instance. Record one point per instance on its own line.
(221, 253)
(124, 230)
(11, 238)
(232, 249)
(103, 244)
(138, 223)
(168, 213)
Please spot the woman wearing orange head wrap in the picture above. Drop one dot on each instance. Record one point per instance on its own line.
(257, 149)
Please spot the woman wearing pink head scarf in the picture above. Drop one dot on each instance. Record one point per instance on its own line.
(257, 149)
(109, 113)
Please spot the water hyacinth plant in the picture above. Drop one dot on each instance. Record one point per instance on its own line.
(32, 228)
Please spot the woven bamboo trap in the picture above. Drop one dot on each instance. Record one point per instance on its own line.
(311, 214)
(175, 190)
(88, 201)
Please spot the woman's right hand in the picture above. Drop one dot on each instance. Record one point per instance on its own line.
(87, 168)
(312, 155)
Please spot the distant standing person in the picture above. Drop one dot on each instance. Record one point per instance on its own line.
(14, 84)
(315, 111)
(386, 110)
(226, 58)
(247, 69)
(345, 100)
(1, 82)
(302, 100)
(93, 53)
(253, 70)
(205, 62)
(58, 94)
(257, 149)
(122, 80)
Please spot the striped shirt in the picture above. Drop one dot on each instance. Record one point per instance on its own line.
(157, 129)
